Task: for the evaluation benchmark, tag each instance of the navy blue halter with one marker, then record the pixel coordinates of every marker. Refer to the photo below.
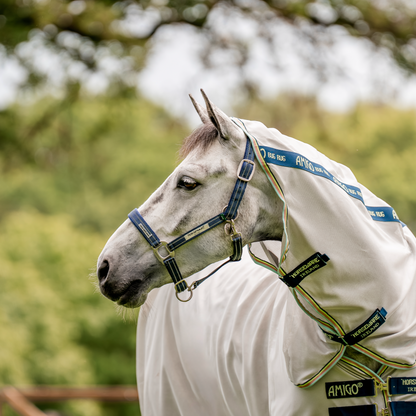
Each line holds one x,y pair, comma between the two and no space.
165,252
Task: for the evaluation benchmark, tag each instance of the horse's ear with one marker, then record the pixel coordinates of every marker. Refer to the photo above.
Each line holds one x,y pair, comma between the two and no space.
203,115
225,126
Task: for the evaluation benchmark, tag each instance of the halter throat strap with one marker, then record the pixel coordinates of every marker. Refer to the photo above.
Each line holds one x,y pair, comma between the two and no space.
165,252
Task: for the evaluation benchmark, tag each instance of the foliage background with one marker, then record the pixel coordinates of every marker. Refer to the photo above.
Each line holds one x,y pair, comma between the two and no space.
65,187
68,183
73,166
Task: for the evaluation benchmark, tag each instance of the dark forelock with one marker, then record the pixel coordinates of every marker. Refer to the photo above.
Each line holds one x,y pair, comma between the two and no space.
202,137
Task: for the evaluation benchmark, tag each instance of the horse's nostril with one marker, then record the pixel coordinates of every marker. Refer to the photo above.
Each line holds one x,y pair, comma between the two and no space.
102,272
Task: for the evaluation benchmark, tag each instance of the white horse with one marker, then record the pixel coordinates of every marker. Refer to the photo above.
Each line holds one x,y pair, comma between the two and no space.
244,346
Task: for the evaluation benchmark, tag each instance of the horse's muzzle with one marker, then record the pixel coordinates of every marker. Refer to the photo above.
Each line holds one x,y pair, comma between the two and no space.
107,288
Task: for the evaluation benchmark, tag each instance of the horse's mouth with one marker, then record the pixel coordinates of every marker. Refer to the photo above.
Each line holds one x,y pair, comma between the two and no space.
132,296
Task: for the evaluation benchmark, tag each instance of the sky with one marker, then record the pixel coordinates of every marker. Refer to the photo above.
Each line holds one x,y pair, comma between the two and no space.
360,73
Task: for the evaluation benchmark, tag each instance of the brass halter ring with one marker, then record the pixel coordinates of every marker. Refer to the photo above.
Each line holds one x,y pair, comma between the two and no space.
238,213
189,289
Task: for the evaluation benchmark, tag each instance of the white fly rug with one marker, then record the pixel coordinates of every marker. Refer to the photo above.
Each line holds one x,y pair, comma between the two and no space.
222,353
366,292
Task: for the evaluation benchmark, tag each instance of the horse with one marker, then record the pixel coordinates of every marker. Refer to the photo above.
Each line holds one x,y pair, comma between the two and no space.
338,279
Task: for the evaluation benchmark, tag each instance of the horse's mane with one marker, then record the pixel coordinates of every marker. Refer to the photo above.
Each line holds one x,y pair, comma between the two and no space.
202,137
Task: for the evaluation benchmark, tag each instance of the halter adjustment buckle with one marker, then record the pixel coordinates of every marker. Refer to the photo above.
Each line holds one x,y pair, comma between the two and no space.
160,257
250,162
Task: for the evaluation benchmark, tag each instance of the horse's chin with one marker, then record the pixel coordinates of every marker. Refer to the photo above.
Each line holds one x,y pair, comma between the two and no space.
135,301
135,295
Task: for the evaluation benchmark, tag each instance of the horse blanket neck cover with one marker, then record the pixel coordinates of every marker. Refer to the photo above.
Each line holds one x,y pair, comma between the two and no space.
348,260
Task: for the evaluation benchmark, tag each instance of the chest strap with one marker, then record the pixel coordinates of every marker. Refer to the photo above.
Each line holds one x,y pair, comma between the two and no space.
363,410
403,408
369,387
401,385
396,409
362,331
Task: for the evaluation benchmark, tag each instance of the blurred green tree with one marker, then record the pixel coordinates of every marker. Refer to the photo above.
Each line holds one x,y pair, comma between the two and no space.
64,189
82,31
94,159
54,329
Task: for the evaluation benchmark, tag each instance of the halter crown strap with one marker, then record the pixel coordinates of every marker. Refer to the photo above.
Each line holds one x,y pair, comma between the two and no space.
245,172
165,252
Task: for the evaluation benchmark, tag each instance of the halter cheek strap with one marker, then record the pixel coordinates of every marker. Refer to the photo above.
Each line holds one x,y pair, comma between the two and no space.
165,252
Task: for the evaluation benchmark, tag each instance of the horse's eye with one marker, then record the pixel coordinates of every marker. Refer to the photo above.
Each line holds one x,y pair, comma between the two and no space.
187,183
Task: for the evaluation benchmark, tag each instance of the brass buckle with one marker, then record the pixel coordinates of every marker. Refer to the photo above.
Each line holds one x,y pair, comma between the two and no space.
238,213
382,412
159,256
188,288
231,230
251,162
383,387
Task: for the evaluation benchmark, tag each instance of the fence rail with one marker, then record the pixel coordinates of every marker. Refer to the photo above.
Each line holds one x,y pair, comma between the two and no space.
21,399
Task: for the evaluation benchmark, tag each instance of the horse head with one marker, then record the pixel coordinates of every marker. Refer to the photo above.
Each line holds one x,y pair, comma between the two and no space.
198,189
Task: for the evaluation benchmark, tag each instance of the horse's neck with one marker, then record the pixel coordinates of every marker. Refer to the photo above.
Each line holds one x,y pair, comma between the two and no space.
268,206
